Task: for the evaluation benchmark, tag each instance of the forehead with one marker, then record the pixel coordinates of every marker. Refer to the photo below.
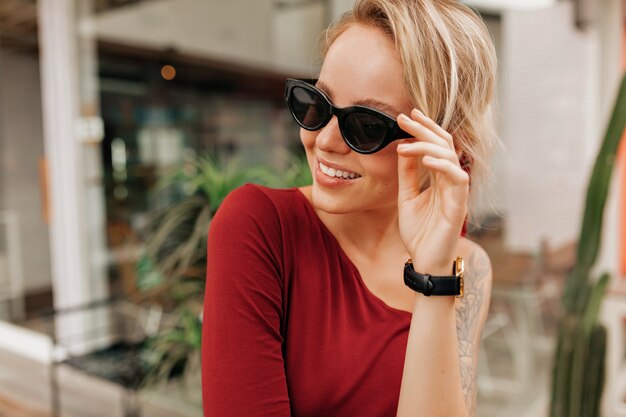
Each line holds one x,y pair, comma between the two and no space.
362,63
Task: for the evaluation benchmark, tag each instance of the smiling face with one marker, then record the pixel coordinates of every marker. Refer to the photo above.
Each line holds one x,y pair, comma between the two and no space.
361,66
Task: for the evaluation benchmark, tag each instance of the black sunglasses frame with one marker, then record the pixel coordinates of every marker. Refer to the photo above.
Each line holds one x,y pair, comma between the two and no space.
393,131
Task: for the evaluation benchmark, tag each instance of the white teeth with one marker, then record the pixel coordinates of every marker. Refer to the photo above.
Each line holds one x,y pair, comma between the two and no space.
332,172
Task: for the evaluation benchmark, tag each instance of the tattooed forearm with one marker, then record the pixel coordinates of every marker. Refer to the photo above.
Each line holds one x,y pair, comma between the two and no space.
469,320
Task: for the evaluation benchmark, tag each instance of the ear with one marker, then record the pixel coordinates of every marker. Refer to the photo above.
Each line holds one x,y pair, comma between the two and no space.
466,164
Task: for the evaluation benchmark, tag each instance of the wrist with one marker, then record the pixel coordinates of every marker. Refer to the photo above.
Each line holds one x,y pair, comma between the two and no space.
431,269
436,302
431,279
428,265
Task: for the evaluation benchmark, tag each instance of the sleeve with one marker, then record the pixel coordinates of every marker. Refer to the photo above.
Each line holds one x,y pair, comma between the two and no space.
243,370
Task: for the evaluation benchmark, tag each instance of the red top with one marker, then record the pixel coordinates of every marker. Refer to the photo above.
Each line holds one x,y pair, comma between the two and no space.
289,327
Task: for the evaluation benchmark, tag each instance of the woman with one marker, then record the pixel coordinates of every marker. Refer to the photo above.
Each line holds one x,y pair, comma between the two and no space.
306,311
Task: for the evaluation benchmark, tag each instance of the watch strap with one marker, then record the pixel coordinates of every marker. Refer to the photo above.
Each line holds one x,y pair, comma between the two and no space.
431,284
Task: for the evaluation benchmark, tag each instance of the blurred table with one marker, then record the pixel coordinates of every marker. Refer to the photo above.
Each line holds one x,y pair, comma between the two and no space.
613,316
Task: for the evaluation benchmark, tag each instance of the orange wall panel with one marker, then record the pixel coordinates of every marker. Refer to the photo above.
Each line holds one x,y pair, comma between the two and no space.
621,162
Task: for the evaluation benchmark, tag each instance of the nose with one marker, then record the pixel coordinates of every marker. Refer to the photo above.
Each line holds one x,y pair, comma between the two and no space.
329,138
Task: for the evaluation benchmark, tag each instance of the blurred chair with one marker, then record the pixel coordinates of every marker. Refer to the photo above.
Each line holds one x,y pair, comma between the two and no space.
115,351
506,336
11,278
521,325
613,316
125,247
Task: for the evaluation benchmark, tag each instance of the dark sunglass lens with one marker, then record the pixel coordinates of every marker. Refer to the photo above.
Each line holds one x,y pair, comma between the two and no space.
365,131
307,107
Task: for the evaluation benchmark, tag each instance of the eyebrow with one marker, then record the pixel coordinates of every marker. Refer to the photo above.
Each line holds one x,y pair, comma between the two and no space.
371,102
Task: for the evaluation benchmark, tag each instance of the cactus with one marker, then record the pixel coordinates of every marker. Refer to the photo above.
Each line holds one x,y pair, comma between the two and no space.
578,367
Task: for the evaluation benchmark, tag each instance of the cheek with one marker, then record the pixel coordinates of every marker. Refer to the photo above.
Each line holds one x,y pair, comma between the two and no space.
385,166
307,138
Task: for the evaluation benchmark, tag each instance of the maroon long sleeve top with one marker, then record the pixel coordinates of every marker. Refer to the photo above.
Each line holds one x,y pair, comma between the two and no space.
289,327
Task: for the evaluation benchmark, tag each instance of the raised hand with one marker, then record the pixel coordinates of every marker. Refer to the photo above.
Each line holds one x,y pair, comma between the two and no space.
431,149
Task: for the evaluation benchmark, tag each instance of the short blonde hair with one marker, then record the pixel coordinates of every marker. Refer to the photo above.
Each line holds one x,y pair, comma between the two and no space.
449,69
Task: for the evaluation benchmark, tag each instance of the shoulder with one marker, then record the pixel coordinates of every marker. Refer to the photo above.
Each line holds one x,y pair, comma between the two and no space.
253,199
245,225
244,208
247,194
255,205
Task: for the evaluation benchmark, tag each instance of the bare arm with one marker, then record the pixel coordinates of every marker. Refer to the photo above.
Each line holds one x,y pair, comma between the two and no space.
439,377
470,320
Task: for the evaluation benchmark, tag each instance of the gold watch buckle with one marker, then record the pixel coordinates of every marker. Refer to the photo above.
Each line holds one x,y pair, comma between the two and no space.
458,269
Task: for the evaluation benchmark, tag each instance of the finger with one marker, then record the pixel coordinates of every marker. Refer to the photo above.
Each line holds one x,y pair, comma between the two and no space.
429,123
419,131
425,148
454,173
410,175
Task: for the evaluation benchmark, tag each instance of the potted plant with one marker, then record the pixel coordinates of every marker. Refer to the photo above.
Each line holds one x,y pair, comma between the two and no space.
578,370
172,268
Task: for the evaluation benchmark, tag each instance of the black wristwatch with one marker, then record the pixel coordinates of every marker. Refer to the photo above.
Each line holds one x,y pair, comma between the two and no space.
436,284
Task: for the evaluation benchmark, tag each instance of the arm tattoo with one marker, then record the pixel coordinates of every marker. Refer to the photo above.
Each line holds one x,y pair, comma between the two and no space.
468,321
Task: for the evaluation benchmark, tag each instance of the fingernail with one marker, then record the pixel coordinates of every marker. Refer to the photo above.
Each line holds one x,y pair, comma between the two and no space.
404,117
418,112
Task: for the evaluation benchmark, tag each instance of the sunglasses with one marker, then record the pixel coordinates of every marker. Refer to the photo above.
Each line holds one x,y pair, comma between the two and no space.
364,129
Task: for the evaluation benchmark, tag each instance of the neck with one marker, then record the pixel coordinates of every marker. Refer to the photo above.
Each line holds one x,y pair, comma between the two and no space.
374,232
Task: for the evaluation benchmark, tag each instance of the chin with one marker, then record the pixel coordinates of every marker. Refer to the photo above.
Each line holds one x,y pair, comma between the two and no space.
329,202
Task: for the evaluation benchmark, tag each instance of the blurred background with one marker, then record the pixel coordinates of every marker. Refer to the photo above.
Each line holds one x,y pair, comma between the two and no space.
124,123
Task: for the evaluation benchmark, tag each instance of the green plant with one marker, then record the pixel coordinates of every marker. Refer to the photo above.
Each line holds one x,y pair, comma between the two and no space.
578,370
296,171
175,237
175,257
174,352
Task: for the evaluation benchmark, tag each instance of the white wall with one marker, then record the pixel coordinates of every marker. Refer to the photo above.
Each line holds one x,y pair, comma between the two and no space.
494,201
497,6
338,7
254,33
295,32
21,147
237,30
551,93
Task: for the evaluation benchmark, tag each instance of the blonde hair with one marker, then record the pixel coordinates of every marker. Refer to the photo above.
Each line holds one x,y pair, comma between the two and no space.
449,68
